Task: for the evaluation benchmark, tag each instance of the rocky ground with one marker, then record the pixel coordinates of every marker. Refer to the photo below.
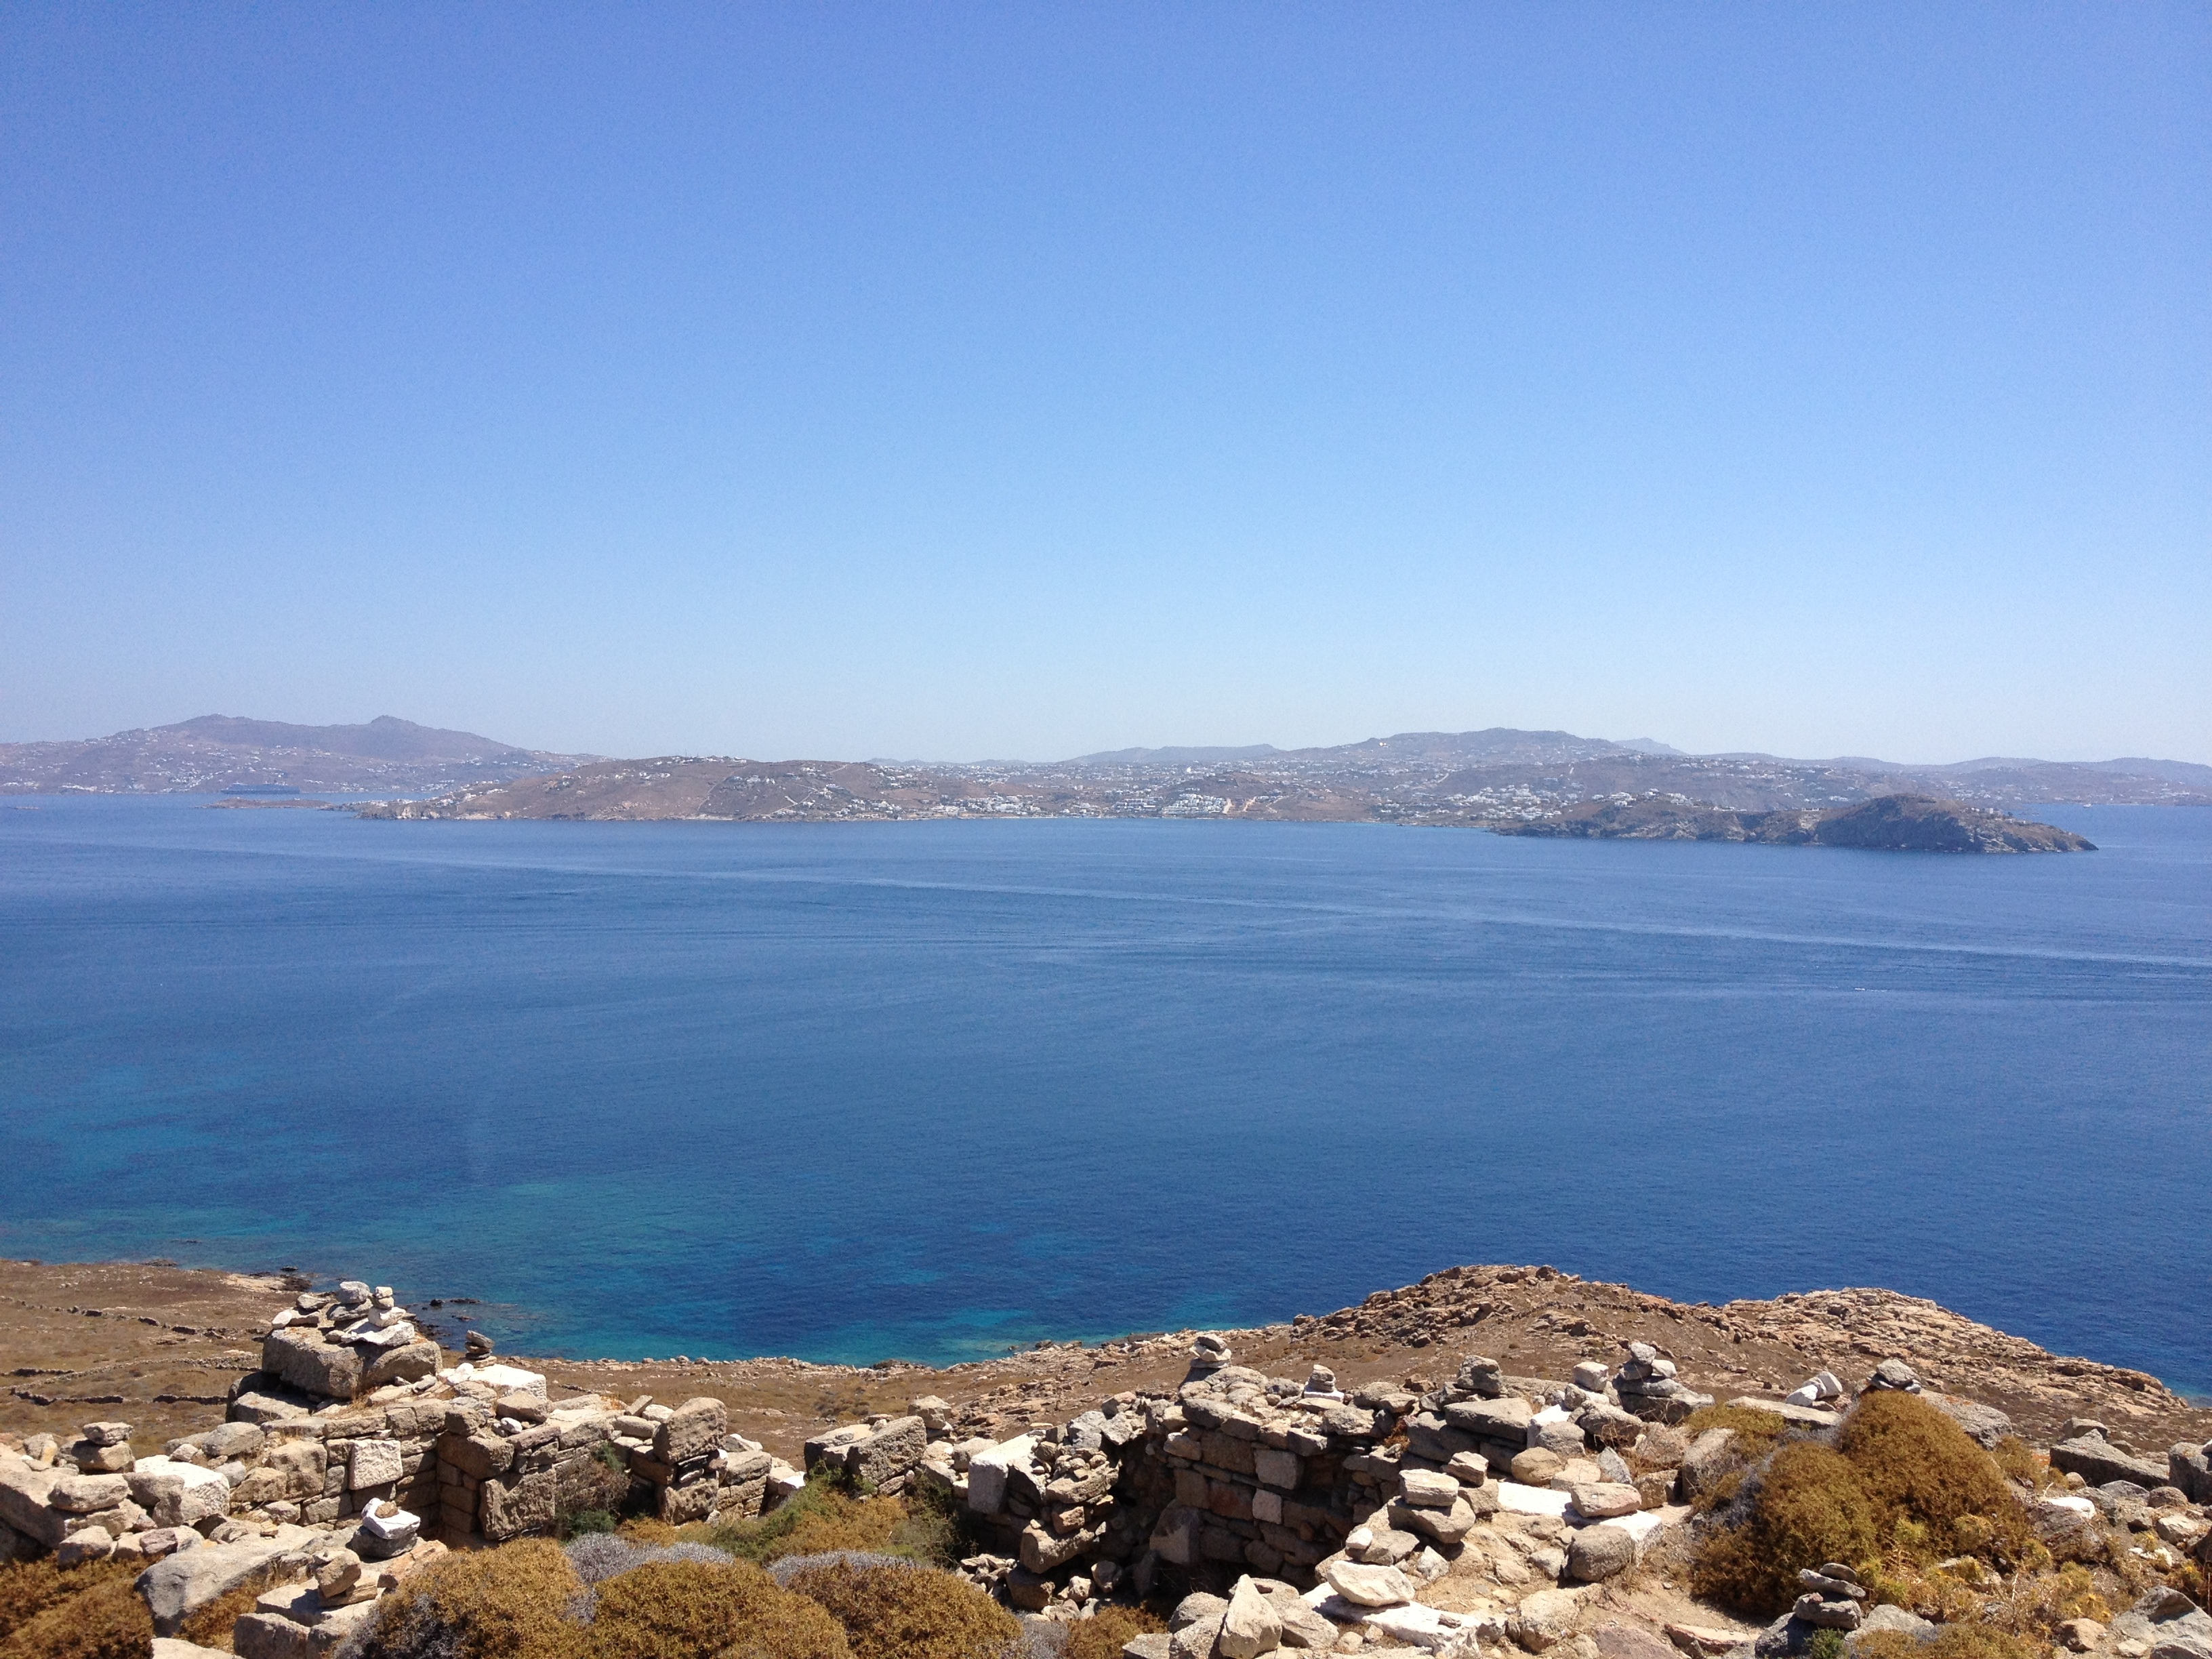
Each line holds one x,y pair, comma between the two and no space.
160,1344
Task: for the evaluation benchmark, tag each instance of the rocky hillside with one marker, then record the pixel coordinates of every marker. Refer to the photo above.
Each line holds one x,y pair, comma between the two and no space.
220,751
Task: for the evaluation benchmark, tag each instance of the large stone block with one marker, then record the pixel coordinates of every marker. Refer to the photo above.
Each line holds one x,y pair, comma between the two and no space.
302,1360
410,1362
514,1506
695,1430
988,1472
89,1494
682,1504
24,1491
2097,1461
177,1494
374,1464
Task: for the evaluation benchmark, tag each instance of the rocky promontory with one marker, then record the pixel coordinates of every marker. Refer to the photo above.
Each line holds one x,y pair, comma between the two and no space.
1890,823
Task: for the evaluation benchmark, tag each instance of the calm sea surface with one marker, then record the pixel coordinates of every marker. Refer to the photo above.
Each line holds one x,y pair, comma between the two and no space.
928,1089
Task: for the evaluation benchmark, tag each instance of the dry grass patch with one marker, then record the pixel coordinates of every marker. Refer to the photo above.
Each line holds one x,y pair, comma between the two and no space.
80,1613
1952,1642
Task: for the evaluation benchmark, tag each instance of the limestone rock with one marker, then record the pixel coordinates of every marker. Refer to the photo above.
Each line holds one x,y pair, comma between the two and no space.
1537,1466
86,1543
1545,1620
1619,1641
179,1494
1426,1490
1710,1458
89,1494
1605,1500
2098,1461
1249,1626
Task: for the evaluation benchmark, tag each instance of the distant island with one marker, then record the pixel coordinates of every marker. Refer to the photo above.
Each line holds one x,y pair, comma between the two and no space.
1897,823
1539,783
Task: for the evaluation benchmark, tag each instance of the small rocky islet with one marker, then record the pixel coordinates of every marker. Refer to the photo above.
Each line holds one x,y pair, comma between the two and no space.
1447,1510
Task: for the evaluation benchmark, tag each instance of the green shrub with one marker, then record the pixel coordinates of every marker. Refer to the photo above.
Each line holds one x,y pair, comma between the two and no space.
505,1604
693,1610
80,1613
1808,1507
910,1612
1826,1644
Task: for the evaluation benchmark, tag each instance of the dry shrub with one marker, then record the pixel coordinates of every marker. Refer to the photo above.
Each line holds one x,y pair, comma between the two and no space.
1952,1642
1808,1507
1917,1464
690,1610
1757,1432
818,1520
504,1603
83,1613
1103,1635
2021,1462
910,1613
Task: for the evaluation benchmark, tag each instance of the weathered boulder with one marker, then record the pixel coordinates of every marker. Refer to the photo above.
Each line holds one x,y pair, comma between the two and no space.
1620,1641
2190,1468
1606,1499
2097,1461
409,1362
301,1359
1425,1489
1596,1553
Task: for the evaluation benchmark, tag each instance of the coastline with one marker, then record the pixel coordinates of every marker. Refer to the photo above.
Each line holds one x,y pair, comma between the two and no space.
162,1345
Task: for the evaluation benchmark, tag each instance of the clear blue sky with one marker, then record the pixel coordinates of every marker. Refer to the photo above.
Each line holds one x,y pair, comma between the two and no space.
952,380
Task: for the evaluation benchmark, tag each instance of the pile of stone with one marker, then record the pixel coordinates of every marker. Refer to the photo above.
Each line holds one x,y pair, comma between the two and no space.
1646,1386
341,1346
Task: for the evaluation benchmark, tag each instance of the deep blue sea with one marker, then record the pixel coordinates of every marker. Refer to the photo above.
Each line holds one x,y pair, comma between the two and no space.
930,1090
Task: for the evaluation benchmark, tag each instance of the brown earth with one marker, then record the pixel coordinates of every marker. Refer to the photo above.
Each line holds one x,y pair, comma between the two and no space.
158,1346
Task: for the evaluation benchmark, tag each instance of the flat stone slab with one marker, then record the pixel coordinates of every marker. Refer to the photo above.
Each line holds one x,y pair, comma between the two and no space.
1531,1500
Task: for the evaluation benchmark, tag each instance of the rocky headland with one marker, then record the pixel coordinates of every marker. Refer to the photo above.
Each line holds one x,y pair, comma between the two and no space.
1890,823
1498,1455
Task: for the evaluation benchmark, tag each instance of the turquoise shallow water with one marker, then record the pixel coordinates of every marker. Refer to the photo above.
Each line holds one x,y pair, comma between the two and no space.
928,1089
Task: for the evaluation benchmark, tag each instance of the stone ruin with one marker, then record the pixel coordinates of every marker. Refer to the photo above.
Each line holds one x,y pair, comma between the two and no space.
1283,1513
